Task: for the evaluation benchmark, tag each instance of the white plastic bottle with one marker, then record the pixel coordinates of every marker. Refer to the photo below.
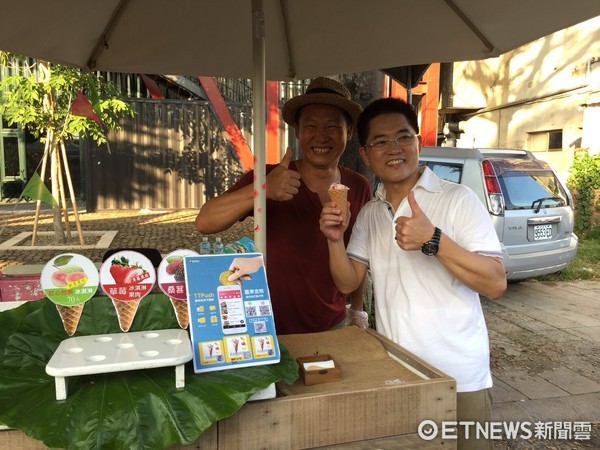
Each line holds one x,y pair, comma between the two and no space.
218,246
205,246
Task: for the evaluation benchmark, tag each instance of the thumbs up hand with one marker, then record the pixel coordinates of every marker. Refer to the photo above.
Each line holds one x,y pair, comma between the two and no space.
412,232
287,158
282,182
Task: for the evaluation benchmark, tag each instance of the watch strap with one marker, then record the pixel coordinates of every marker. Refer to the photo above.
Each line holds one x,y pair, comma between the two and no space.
430,247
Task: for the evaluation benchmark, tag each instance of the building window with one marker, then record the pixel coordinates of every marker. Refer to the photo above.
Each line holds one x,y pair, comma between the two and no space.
545,141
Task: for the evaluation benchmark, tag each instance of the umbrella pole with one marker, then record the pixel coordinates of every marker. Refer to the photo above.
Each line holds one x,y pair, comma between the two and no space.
409,86
259,101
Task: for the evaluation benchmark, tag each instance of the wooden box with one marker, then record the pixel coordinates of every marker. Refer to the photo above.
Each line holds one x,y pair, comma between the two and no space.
378,403
318,376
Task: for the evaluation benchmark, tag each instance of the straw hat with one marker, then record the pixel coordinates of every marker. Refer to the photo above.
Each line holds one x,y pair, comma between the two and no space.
323,91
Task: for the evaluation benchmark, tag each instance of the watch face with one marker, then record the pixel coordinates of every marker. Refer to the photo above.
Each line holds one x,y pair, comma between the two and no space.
429,248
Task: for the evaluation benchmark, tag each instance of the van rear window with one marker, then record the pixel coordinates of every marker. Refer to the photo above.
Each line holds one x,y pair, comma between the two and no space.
531,189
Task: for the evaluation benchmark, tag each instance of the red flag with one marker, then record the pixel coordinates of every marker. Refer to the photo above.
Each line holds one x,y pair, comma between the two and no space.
82,107
152,87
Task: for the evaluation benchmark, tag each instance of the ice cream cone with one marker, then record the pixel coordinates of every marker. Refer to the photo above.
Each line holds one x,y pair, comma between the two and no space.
340,197
181,311
126,312
70,316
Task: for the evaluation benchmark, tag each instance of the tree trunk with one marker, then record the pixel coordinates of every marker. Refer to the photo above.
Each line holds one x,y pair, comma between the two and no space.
59,235
364,87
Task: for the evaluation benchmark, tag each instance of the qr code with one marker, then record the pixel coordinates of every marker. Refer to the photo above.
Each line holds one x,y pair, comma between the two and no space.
264,310
260,327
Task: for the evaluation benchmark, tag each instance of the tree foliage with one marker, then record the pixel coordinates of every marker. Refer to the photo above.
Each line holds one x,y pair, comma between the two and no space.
584,180
38,95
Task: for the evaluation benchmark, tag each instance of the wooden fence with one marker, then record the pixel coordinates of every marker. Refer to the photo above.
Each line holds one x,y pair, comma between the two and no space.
171,155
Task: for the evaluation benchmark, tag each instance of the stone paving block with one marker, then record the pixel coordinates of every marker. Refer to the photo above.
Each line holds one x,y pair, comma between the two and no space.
502,325
532,386
551,319
575,291
558,336
503,393
582,407
565,304
570,381
589,333
510,411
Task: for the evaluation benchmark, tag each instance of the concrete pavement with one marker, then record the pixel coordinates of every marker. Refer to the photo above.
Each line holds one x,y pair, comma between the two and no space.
545,345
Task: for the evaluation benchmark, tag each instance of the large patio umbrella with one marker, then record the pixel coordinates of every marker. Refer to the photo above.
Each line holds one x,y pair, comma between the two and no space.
275,39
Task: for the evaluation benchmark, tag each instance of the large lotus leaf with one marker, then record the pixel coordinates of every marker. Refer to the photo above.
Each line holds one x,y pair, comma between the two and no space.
123,410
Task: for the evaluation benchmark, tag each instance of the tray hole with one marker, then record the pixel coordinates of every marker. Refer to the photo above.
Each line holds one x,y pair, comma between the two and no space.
103,339
173,342
73,350
150,335
124,345
95,358
149,353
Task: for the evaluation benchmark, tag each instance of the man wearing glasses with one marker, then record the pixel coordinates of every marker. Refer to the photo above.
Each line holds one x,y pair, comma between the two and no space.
432,249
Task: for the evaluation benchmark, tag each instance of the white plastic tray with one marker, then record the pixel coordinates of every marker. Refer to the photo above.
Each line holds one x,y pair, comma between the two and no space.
104,353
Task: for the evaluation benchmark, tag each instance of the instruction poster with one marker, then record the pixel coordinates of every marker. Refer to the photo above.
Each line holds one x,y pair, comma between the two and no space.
231,319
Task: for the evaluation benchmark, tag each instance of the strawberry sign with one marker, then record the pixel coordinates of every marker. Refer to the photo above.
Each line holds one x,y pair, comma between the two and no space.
127,277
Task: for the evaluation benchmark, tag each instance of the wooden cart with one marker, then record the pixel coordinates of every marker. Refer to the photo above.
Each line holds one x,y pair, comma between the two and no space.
384,394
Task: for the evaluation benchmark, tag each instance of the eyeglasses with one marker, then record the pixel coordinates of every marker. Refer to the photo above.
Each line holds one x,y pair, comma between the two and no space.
401,141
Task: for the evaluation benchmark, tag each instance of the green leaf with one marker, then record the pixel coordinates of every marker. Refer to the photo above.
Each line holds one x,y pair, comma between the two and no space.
62,260
135,409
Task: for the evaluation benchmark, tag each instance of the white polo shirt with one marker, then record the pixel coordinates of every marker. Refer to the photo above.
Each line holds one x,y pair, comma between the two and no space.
419,304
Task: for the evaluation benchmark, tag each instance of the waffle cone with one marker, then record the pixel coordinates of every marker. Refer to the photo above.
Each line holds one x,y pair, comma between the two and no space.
70,316
340,197
126,312
181,311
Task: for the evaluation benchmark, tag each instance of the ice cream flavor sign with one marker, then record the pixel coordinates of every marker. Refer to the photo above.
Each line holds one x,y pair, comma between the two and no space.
171,280
127,277
69,280
231,319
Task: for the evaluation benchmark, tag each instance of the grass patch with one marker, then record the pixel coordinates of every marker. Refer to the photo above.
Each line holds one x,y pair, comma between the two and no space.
586,264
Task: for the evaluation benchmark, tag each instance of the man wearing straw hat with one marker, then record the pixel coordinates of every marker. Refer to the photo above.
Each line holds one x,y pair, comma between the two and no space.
303,294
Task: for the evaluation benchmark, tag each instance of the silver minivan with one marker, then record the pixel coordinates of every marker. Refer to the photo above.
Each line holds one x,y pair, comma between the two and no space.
530,207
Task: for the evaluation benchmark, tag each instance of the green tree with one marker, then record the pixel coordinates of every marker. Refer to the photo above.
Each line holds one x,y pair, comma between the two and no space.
39,96
584,181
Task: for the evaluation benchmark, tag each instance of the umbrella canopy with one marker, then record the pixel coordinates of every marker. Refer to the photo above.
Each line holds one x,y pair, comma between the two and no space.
303,38
275,39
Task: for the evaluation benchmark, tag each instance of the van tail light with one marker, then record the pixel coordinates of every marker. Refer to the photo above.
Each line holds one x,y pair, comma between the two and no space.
492,187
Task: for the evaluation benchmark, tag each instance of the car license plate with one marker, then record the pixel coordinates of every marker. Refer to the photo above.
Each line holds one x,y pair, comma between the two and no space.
541,232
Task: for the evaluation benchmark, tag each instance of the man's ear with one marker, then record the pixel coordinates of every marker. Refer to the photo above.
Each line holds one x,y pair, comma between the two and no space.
419,144
350,132
362,150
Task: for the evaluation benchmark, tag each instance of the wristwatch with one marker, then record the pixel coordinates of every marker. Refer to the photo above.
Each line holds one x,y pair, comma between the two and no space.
430,247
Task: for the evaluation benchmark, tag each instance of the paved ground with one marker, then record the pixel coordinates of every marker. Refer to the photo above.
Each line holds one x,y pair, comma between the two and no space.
545,337
545,345
166,231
